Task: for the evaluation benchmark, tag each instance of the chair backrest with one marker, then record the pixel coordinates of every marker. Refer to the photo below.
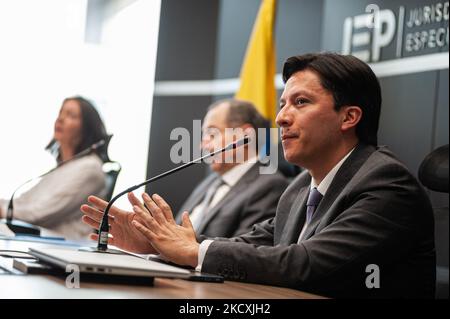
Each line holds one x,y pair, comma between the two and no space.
111,170
433,174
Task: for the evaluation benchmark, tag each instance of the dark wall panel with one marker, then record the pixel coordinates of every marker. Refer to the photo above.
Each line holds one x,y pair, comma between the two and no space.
440,200
186,51
234,29
169,113
298,28
442,116
407,116
187,34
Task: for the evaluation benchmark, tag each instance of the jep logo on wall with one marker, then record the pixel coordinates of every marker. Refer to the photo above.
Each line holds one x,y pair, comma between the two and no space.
413,30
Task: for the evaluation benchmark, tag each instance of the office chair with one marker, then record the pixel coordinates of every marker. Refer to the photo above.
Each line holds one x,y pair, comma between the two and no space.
111,170
433,174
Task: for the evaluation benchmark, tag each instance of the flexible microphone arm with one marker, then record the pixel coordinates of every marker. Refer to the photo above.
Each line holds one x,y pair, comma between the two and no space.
104,226
20,227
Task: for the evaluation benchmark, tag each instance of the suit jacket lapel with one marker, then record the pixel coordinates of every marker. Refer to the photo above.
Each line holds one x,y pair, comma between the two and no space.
197,196
343,176
296,219
234,191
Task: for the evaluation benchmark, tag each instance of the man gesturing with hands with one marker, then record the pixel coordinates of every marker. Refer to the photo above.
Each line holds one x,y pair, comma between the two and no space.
355,205
146,231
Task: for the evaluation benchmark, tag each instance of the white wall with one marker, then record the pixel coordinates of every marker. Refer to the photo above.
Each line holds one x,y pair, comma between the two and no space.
44,59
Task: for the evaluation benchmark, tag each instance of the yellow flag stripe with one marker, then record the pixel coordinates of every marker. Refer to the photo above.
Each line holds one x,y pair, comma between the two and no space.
258,70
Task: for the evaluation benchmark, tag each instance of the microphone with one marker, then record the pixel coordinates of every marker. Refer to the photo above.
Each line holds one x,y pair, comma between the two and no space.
102,245
24,228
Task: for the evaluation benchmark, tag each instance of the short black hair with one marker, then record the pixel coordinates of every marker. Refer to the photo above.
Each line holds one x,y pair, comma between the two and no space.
351,82
92,129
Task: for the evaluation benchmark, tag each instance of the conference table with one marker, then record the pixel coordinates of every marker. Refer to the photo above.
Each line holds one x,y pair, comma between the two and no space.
44,286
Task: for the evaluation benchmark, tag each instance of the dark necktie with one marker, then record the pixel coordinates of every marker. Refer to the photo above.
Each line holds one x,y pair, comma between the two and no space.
314,199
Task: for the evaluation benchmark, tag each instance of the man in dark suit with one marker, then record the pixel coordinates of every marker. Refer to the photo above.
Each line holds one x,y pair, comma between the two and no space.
355,224
235,196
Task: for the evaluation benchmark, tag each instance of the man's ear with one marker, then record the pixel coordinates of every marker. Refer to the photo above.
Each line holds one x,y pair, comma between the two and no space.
248,129
351,115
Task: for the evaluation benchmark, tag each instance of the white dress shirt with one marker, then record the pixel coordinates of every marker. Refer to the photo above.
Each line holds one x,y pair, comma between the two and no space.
322,188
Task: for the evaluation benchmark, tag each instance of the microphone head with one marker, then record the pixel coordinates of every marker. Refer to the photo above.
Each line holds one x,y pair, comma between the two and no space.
243,141
238,143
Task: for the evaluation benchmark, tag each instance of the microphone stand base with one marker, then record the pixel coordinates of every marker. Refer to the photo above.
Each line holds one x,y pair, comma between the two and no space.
96,250
19,227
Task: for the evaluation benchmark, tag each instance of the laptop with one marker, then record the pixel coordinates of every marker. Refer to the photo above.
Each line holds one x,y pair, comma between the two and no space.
107,264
